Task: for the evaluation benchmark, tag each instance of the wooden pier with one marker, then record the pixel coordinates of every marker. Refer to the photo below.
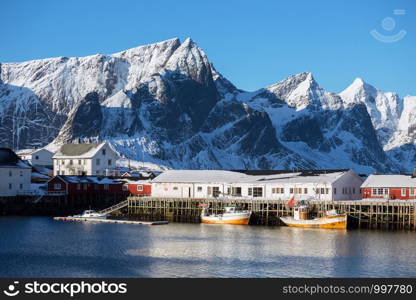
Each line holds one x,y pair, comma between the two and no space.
397,214
113,221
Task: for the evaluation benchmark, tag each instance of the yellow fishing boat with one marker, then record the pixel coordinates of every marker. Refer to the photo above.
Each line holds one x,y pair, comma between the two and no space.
332,219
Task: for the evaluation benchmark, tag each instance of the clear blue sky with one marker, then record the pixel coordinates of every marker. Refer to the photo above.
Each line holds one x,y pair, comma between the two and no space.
253,43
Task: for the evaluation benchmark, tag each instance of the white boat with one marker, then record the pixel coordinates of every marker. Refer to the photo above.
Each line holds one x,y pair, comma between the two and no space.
231,215
89,214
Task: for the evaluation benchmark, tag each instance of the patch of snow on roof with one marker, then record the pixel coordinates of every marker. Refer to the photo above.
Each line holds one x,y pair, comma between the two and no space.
219,176
388,181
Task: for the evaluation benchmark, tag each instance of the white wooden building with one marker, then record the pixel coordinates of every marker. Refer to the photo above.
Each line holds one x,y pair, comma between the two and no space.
14,174
305,185
36,157
85,159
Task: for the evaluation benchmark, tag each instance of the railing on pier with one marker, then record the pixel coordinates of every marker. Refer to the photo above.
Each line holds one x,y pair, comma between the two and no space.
113,208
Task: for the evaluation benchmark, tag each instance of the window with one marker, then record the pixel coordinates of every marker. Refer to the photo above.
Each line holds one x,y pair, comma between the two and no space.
236,191
10,174
257,192
403,192
103,152
96,186
85,186
97,172
199,188
78,186
125,188
228,190
109,162
209,190
379,191
57,186
277,190
37,157
97,162
412,192
215,191
71,162
21,186
139,188
353,190
291,191
62,161
305,190
79,162
327,191
335,191
62,172
10,186
250,191
106,187
175,188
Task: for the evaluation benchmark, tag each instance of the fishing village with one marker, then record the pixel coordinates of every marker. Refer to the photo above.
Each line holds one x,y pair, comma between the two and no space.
81,182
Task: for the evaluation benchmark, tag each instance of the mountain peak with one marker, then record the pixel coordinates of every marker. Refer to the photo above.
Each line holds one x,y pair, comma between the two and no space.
358,92
188,42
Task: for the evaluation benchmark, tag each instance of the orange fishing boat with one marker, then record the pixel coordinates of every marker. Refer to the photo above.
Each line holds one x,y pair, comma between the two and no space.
301,218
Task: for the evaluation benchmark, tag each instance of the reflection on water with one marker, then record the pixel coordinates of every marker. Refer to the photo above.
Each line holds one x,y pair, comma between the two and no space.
43,247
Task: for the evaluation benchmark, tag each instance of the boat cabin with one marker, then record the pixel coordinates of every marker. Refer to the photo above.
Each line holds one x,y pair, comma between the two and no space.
301,212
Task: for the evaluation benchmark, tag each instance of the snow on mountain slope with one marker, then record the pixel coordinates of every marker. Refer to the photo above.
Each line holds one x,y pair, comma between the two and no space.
315,124
384,108
165,104
402,146
302,91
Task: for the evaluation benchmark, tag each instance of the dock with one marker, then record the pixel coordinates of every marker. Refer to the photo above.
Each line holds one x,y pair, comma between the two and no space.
113,221
396,214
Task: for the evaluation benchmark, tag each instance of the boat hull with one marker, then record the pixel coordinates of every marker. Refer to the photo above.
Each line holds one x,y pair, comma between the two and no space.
234,219
334,222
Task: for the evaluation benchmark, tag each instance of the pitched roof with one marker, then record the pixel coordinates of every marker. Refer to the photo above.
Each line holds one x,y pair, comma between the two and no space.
31,151
220,176
25,151
88,179
9,159
79,150
390,181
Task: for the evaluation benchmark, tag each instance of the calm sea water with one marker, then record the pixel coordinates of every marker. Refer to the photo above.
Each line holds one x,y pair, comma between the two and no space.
42,247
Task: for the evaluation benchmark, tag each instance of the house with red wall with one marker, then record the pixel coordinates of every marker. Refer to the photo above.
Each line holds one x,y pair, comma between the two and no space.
137,186
394,187
85,185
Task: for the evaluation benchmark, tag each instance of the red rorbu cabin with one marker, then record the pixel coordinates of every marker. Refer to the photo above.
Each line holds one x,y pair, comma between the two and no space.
400,187
85,185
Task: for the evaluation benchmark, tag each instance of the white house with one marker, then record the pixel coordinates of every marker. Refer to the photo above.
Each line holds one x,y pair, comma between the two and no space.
85,159
305,185
14,174
36,157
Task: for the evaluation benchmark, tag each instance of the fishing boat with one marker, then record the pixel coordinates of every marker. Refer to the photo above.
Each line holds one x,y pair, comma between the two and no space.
301,218
230,215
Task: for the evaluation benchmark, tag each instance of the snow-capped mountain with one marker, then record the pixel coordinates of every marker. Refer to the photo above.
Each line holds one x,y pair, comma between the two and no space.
166,104
384,108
